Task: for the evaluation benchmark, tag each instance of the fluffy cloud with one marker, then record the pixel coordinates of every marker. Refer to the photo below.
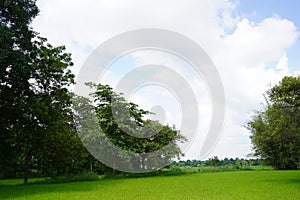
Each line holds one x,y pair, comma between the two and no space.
244,64
252,44
241,49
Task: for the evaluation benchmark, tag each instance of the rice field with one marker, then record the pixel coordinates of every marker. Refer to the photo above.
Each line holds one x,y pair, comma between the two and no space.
213,185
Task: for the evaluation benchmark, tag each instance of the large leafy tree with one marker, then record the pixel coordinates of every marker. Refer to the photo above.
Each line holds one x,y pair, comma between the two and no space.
125,125
276,129
34,77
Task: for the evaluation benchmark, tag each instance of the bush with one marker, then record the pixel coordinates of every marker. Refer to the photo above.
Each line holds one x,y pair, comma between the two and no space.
83,176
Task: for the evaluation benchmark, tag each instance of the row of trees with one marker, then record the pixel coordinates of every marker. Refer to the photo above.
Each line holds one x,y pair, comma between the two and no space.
38,118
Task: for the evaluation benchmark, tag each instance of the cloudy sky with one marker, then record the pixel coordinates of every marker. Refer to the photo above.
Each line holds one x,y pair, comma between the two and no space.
252,43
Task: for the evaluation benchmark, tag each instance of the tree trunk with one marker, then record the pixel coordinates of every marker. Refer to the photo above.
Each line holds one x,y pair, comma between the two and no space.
91,164
26,170
115,162
143,161
1,172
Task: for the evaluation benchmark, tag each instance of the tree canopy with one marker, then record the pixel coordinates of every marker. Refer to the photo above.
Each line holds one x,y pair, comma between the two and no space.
276,129
125,125
34,97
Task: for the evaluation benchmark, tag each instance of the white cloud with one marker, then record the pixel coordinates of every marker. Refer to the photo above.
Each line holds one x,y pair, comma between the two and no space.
241,56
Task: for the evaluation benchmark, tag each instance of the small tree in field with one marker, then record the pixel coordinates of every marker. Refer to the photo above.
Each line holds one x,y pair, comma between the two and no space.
214,161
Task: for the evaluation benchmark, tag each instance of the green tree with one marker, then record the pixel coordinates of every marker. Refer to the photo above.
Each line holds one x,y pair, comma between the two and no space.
124,124
61,152
276,129
34,77
15,37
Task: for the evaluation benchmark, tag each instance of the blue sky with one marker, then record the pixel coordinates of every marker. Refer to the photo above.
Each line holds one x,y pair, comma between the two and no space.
288,9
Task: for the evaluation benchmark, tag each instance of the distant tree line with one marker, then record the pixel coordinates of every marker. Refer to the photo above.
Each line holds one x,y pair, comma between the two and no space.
216,162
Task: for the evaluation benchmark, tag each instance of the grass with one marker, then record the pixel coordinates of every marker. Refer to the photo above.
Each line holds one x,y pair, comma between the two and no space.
211,185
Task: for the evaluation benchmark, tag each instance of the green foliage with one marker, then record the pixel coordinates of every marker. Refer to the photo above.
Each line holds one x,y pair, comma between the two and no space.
15,40
35,115
124,125
171,171
276,129
84,176
214,161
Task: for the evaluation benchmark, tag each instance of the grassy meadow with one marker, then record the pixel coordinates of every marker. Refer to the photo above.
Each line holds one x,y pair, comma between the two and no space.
212,185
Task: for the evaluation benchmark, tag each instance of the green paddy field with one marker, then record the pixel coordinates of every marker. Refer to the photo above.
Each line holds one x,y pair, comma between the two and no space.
266,185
